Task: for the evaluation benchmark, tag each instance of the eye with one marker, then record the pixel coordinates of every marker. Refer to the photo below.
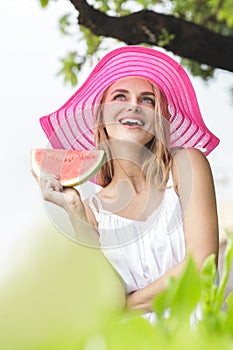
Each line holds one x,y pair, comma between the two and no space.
147,99
119,97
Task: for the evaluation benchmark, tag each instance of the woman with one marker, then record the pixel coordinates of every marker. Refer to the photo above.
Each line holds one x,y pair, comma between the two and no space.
156,205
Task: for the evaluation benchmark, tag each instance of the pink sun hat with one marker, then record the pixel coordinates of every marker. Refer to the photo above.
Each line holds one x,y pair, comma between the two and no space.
72,125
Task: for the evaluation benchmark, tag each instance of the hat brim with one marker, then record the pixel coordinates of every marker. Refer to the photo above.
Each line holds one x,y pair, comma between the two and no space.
71,126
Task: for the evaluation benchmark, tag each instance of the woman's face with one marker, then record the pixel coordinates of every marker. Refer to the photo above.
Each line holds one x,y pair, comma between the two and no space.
129,110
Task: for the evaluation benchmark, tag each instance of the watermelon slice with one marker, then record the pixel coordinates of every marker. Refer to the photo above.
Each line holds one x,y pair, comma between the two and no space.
71,166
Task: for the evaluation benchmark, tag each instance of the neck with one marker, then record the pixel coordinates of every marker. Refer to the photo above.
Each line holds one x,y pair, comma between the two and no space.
127,172
128,158
127,150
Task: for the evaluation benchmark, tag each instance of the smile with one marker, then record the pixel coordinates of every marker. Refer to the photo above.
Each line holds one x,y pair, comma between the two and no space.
132,122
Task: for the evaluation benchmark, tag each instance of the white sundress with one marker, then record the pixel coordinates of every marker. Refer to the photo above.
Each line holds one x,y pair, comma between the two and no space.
142,251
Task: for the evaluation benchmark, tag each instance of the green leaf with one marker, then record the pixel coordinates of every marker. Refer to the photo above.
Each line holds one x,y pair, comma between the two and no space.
182,294
44,3
71,65
165,38
197,69
134,333
226,271
208,287
164,300
65,23
212,295
223,10
92,41
229,316
188,291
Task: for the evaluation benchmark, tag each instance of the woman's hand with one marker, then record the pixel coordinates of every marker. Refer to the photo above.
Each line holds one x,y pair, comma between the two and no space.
131,303
52,190
69,199
66,198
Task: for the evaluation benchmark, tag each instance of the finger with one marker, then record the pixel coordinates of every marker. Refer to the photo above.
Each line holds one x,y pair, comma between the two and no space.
41,179
49,178
48,186
34,175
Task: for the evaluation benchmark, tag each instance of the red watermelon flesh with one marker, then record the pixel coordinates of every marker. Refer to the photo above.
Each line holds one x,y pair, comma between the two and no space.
71,166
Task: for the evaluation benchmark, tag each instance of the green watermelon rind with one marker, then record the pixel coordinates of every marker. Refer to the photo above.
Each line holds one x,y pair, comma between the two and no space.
91,172
73,181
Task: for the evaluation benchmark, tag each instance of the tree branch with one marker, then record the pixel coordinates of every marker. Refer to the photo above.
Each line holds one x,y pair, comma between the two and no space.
190,40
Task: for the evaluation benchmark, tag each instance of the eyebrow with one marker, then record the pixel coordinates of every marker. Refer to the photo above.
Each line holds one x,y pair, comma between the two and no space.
126,92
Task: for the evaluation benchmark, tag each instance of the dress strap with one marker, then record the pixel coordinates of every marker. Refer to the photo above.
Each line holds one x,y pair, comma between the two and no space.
95,204
170,182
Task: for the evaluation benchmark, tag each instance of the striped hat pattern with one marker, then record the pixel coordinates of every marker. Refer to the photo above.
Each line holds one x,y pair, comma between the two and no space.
72,125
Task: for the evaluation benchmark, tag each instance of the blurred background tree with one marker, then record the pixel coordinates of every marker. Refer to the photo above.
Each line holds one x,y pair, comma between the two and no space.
199,31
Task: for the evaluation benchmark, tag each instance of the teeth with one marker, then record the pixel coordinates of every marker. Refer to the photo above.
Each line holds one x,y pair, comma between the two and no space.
130,121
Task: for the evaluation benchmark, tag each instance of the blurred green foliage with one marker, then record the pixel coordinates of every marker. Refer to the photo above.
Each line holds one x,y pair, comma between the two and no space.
58,297
216,15
68,297
44,3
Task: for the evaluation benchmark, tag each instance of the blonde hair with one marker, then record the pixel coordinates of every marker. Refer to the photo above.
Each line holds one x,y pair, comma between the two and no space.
157,165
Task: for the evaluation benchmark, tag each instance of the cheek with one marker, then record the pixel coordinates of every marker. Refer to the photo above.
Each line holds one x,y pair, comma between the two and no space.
110,111
151,116
112,127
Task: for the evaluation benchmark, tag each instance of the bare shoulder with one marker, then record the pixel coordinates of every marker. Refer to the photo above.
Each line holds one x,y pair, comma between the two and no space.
195,156
190,157
190,165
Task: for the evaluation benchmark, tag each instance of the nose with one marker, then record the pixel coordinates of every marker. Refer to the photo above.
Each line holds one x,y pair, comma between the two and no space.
134,107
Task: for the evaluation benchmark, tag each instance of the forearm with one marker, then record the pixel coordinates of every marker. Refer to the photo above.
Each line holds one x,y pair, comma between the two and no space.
141,300
84,232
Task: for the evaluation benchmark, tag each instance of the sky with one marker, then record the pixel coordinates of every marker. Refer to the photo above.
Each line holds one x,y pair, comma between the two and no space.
30,49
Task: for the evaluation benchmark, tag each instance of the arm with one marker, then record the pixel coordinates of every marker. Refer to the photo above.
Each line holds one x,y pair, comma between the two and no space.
193,176
78,212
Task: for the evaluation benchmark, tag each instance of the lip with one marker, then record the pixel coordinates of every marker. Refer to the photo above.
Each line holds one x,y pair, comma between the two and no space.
131,126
